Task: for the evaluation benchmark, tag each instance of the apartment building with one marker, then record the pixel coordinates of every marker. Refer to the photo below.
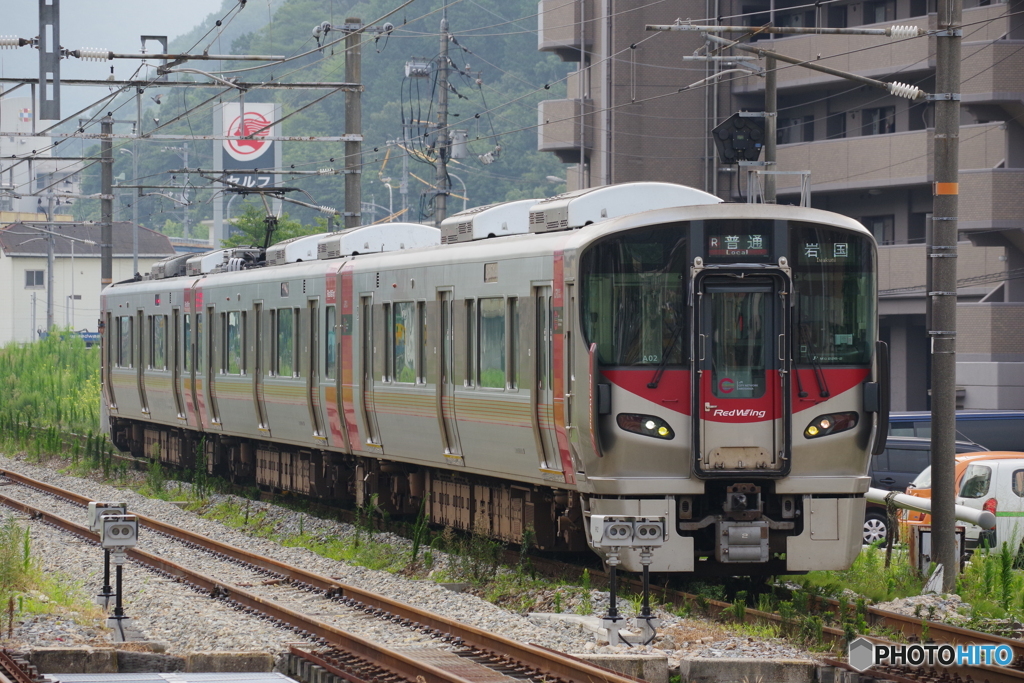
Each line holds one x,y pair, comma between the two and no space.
868,154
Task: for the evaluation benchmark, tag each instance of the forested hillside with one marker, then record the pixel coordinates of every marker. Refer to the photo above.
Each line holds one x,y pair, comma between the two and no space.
497,80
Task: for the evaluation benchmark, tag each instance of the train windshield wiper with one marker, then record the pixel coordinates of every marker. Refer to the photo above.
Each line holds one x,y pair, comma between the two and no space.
677,332
819,375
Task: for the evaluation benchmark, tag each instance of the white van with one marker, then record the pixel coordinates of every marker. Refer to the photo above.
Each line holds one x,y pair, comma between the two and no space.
996,486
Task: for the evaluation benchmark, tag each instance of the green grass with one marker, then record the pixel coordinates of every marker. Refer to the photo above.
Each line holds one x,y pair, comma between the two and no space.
52,383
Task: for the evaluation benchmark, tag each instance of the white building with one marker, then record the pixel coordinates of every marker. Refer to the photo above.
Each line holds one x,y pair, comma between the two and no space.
76,274
27,167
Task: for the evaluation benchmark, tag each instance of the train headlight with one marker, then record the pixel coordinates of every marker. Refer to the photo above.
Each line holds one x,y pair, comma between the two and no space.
648,425
823,425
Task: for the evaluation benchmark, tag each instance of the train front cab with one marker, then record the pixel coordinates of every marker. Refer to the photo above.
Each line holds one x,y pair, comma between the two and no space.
735,352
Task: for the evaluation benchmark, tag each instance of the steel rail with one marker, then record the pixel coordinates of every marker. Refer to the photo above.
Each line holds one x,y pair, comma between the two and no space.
374,654
537,657
551,664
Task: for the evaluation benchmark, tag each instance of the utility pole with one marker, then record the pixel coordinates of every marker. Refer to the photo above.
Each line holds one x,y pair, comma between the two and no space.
942,299
441,198
50,204
185,231
353,125
135,207
106,201
771,109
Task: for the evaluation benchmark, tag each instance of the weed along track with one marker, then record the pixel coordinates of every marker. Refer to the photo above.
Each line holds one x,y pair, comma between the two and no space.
397,641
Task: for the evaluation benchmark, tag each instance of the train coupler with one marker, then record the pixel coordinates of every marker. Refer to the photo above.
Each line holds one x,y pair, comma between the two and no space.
743,541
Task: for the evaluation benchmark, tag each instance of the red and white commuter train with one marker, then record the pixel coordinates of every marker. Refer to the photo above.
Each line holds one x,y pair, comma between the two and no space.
639,357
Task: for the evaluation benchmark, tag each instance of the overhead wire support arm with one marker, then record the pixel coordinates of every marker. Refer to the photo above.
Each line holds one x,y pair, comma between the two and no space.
900,89
100,55
894,31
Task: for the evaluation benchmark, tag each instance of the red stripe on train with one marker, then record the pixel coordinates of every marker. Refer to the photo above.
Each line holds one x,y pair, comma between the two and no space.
673,392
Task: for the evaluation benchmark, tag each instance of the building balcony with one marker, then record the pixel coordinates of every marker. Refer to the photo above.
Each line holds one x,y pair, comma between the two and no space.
558,28
559,129
880,56
902,269
897,159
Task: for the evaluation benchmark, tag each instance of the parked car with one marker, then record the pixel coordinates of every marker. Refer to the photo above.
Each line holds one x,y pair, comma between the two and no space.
995,430
996,485
922,486
903,459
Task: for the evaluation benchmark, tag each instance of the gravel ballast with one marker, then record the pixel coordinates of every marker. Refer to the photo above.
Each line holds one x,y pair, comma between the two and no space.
186,622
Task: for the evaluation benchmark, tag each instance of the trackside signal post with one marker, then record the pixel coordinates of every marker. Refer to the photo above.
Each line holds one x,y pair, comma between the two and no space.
943,235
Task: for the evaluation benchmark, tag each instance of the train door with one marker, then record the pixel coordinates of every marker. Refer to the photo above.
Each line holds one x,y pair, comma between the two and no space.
257,373
110,339
140,366
313,377
175,360
544,402
366,361
446,380
741,351
211,364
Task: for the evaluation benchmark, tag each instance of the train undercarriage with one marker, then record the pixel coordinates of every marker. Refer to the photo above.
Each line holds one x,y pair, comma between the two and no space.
545,518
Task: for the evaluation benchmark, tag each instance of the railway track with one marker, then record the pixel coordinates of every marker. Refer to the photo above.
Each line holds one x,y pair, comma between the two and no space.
538,659
461,653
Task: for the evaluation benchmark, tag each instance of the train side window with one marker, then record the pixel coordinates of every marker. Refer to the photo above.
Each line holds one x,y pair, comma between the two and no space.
492,343
124,351
158,342
187,339
285,343
234,344
405,345
330,359
471,333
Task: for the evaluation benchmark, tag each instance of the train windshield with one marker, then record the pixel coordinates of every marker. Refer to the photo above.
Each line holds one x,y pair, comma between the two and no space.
634,297
833,284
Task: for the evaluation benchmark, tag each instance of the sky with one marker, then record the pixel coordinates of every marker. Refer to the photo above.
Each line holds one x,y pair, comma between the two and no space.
114,25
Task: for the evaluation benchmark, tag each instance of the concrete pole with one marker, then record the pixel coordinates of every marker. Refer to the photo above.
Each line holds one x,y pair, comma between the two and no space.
106,202
441,198
942,254
50,237
353,124
135,207
771,108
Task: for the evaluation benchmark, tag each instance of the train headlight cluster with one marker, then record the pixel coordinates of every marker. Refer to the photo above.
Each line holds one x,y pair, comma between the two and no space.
648,425
823,425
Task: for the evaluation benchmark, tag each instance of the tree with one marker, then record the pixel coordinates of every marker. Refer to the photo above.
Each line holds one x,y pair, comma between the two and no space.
250,229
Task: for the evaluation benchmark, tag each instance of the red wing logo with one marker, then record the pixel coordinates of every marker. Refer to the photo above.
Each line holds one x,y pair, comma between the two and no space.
248,124
726,385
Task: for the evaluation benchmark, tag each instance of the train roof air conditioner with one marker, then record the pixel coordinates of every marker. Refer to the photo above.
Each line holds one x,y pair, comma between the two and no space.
222,260
172,266
301,248
492,220
582,207
371,239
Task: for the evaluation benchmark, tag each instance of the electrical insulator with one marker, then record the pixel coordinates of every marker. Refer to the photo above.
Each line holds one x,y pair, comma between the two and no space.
904,32
93,54
326,171
9,42
327,210
911,92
